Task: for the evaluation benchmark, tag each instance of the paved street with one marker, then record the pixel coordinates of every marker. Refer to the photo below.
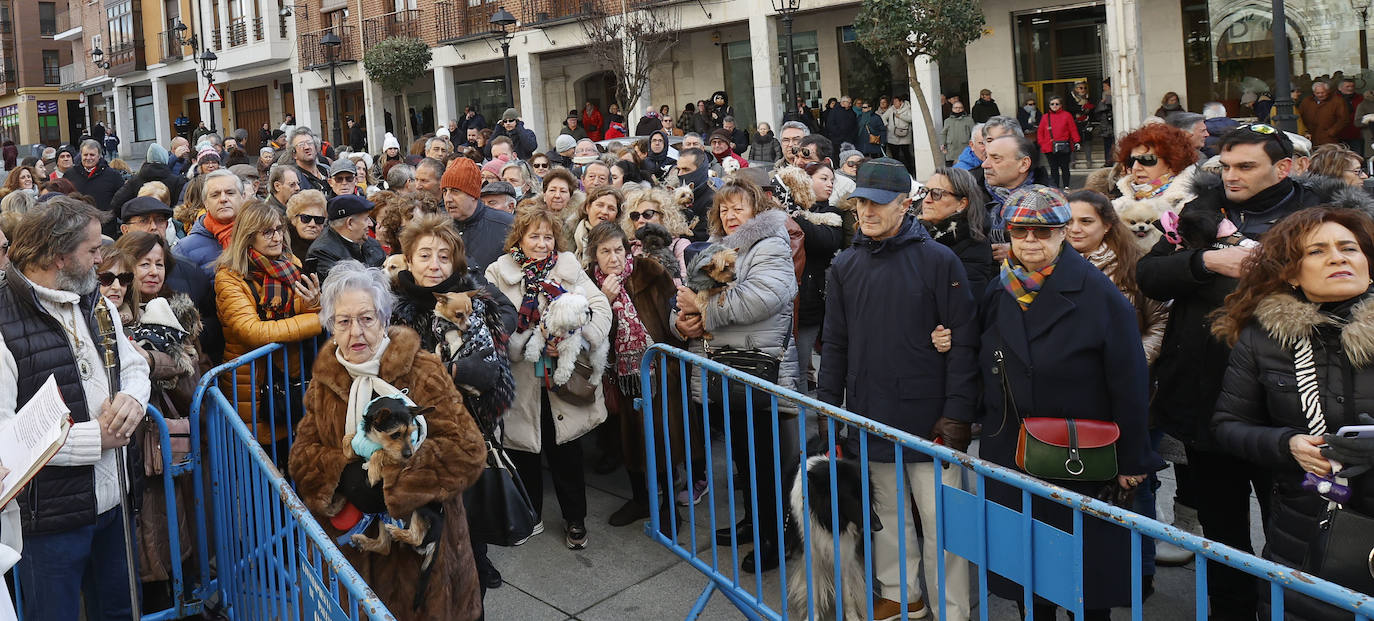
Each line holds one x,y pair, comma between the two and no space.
623,576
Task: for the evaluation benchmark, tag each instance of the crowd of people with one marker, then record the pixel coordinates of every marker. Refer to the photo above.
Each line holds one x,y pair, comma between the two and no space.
1017,301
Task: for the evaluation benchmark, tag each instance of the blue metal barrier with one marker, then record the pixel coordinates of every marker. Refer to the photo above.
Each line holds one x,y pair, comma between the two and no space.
1046,561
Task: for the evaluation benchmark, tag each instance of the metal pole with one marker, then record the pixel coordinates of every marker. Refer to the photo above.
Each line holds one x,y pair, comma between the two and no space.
1283,98
791,106
334,94
211,82
1364,39
505,53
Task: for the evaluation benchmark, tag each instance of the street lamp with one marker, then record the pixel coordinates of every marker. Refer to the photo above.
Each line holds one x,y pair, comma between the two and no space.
1362,7
788,9
1283,92
502,19
207,65
179,31
332,43
97,58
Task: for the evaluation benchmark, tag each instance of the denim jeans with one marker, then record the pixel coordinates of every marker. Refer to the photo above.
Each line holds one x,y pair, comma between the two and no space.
59,569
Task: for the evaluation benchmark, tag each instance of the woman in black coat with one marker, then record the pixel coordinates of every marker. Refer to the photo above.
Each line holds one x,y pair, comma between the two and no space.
1324,308
951,209
1060,341
154,168
827,229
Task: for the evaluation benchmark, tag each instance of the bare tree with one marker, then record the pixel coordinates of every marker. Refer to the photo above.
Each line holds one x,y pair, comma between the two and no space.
630,44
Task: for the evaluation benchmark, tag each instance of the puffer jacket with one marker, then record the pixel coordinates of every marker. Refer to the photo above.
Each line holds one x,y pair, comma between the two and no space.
1259,410
826,231
523,418
764,148
756,312
246,330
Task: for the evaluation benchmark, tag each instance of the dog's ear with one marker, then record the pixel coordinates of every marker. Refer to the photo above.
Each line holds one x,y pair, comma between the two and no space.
440,298
424,410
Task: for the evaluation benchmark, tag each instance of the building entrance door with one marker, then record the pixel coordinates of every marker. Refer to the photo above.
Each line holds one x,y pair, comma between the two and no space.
1055,49
250,112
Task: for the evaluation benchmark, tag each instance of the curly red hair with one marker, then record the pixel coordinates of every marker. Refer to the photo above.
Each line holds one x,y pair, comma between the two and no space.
1171,145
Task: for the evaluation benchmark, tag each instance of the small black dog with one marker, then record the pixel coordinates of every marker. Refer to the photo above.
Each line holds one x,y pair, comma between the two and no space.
850,509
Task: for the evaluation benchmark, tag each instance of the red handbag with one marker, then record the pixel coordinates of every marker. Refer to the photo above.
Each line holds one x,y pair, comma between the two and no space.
1068,448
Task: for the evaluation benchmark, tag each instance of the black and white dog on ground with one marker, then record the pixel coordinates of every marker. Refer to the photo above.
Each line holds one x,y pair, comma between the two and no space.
849,508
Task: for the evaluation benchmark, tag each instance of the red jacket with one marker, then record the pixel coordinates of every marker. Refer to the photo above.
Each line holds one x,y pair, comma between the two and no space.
1056,126
592,123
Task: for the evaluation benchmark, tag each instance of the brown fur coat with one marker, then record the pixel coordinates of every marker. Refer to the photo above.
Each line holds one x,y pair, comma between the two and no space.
449,461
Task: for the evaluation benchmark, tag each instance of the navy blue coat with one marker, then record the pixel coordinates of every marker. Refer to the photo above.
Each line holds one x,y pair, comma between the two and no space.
883,299
1075,353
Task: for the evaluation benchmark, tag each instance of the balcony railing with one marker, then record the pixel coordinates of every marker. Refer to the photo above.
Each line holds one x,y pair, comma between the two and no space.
459,21
313,55
217,40
72,73
171,46
238,31
542,12
391,25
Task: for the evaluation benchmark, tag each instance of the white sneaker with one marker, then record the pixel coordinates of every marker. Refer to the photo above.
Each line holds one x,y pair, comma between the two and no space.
538,528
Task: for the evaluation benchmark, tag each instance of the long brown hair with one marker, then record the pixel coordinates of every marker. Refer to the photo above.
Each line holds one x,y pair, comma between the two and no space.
254,217
1122,243
1278,260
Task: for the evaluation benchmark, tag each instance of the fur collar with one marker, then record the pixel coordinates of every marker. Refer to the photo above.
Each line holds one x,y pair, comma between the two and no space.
1180,190
396,361
770,223
1211,193
507,273
1287,319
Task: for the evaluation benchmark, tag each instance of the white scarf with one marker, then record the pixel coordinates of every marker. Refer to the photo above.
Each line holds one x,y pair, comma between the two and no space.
365,384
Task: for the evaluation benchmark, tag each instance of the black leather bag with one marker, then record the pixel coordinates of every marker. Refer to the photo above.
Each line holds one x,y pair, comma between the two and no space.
498,507
1345,551
751,361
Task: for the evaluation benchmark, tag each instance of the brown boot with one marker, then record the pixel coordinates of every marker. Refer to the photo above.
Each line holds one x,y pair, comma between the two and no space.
888,610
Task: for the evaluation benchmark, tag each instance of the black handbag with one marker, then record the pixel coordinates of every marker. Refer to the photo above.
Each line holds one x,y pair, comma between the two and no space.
1057,146
1344,552
499,509
754,362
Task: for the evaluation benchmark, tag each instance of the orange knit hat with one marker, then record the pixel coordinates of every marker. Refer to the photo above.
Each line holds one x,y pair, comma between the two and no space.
463,175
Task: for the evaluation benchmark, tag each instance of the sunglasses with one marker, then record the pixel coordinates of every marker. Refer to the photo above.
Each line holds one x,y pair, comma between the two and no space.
343,178
936,194
108,278
1041,232
1262,128
320,220
647,214
852,163
1054,105
1144,159
544,165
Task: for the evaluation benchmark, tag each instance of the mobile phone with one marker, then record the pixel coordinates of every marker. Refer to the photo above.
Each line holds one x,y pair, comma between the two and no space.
1356,431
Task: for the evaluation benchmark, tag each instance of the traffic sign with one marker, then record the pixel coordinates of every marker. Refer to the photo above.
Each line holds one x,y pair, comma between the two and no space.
212,95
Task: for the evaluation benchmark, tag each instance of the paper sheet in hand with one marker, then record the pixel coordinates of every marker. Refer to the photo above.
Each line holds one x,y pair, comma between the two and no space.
30,439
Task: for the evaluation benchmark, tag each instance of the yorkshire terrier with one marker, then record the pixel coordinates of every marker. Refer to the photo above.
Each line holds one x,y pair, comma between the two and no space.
712,272
456,310
392,424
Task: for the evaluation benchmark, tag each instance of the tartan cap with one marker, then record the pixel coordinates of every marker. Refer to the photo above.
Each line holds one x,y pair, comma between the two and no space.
1037,206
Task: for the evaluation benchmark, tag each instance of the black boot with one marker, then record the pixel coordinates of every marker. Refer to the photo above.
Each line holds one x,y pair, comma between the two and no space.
744,533
764,557
637,507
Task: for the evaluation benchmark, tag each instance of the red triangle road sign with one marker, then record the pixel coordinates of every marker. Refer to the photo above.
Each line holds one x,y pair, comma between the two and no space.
212,95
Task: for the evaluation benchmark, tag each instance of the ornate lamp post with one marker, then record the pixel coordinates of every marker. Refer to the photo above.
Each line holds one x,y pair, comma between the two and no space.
331,44
1362,7
502,20
207,64
788,10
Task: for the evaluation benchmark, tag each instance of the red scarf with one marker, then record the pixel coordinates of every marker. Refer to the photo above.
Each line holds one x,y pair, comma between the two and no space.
222,232
631,339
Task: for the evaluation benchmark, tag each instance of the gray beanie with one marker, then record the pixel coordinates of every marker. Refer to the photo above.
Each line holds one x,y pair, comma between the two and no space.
845,155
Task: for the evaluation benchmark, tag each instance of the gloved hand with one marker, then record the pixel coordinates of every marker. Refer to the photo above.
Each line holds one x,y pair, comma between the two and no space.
1356,455
954,433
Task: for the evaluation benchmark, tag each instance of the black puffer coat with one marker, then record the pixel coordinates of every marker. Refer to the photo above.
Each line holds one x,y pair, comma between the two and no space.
1258,411
1191,363
827,230
150,171
976,254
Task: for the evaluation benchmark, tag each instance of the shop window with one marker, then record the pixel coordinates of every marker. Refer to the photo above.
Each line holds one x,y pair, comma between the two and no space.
145,123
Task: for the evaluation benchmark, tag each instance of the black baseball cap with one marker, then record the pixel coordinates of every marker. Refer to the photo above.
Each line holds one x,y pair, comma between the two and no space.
882,181
341,207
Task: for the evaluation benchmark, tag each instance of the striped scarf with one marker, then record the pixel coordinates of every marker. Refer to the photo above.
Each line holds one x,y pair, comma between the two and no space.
276,277
1023,284
1154,188
536,279
1309,393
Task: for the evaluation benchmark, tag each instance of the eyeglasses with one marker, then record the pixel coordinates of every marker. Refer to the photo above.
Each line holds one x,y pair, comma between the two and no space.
1054,105
272,232
936,194
108,278
1360,172
1145,159
1041,232
853,163
543,165
647,214
344,324
343,178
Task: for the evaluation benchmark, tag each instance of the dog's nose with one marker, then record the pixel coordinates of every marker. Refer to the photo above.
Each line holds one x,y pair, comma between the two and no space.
406,452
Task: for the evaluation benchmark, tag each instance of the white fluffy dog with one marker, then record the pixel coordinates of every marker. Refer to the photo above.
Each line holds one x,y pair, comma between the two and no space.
562,321
1140,218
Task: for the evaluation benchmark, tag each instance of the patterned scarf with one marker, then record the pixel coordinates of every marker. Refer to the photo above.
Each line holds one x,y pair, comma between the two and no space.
275,276
536,278
1023,284
1154,188
631,339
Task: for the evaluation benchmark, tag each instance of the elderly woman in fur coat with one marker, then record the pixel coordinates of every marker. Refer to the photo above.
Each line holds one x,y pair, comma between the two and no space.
365,359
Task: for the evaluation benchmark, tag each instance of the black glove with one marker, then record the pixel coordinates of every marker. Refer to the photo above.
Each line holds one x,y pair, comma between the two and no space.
955,434
1356,455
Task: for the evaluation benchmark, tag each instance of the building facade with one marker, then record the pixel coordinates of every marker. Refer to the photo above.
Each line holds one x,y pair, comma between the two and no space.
271,61
33,107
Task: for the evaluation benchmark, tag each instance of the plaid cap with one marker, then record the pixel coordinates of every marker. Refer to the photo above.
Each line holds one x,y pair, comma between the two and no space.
1037,206
882,181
